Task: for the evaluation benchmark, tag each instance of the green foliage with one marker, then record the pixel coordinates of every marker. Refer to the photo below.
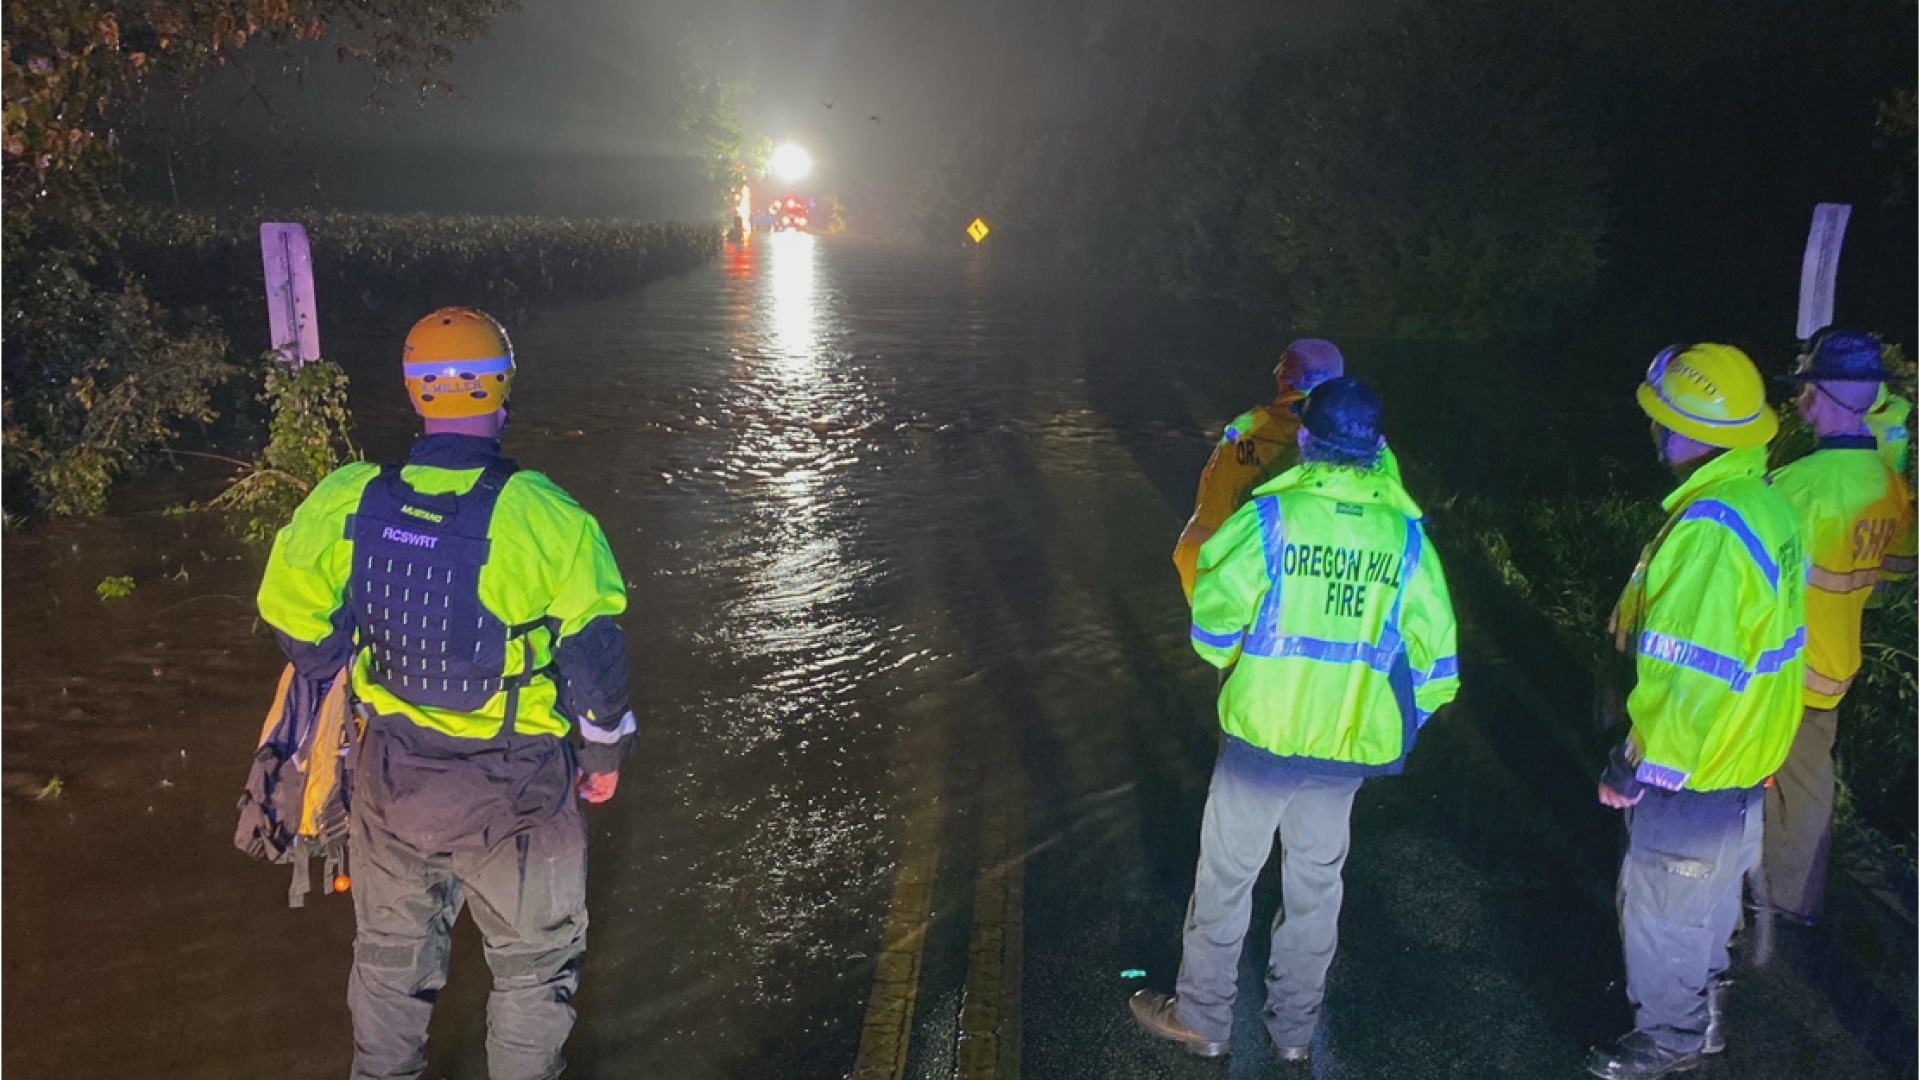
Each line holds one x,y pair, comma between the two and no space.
1898,135
113,588
1793,441
502,263
1416,183
1900,378
1570,556
710,117
72,66
97,375
307,438
1876,746
1413,190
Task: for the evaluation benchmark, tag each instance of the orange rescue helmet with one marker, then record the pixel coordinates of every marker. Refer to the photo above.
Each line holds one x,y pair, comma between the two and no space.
458,363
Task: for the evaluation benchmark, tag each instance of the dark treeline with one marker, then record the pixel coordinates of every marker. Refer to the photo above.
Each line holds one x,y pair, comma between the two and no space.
1477,169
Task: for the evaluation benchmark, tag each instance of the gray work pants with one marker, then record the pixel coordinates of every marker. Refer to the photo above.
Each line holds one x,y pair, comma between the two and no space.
1687,854
1800,819
528,894
1245,808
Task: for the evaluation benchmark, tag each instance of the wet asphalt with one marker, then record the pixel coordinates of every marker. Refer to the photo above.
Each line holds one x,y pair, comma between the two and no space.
923,748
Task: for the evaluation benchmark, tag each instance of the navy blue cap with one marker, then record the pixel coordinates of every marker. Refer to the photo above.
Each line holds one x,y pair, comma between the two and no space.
1344,414
1840,355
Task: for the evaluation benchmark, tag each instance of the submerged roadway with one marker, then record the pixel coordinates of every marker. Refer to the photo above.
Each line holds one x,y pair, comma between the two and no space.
923,746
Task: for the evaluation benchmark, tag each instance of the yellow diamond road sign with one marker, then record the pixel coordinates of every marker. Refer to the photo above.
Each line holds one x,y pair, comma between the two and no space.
978,230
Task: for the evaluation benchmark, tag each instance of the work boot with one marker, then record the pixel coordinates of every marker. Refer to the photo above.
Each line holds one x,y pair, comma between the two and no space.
1716,1039
1154,1011
1297,1055
1635,1056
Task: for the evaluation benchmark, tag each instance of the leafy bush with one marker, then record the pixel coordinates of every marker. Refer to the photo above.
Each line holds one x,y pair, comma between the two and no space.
97,372
1410,189
1425,182
307,438
504,262
97,376
1876,745
72,66
1569,556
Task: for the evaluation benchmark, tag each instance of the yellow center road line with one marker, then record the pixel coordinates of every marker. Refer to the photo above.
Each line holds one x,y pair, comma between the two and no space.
896,978
990,1010
989,1025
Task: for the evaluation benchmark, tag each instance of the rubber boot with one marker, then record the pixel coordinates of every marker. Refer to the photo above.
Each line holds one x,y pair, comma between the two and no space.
1293,1055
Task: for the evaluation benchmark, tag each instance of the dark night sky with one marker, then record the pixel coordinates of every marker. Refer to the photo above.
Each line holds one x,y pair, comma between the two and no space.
568,108
591,83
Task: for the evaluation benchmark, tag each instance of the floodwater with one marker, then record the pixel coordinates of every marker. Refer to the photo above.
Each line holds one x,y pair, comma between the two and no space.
923,748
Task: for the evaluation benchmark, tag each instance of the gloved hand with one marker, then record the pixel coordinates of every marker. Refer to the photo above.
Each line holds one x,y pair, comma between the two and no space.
1618,788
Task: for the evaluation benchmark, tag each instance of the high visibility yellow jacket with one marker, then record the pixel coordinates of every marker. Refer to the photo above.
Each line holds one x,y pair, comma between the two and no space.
546,563
1716,615
1850,506
1889,422
1327,599
1257,446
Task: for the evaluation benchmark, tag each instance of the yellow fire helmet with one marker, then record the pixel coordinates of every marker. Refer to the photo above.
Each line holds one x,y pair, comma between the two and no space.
458,362
1711,393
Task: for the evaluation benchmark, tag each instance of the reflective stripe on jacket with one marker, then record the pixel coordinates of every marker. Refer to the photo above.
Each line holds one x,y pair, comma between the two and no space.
1257,446
547,561
1717,618
1328,600
1850,509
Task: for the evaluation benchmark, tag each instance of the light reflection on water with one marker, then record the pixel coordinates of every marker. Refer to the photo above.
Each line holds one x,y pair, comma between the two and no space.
849,459
844,449
794,308
793,620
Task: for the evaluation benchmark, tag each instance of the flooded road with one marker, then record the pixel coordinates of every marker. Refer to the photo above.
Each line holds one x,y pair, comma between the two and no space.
922,749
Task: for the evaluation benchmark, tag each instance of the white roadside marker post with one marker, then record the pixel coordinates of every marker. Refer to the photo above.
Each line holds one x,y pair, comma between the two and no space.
1820,266
292,321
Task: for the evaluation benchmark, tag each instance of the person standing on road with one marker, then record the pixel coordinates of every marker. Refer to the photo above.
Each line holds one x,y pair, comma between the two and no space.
1715,615
474,602
1850,506
1327,601
1258,445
